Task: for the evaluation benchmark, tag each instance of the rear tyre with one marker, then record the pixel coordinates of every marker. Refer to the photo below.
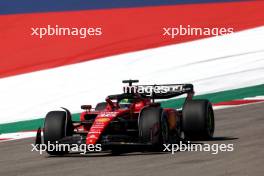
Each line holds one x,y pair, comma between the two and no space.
57,125
198,120
153,127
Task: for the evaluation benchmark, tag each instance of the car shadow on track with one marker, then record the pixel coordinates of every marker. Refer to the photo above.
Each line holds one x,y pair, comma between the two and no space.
222,138
107,154
135,153
218,138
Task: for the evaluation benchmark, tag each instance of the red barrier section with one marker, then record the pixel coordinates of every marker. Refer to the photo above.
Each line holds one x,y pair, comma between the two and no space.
124,30
237,102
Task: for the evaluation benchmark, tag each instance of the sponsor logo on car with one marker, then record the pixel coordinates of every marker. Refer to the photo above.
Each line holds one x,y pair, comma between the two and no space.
105,119
108,114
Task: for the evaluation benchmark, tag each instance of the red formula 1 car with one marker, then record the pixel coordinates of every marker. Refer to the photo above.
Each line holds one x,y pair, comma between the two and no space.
132,120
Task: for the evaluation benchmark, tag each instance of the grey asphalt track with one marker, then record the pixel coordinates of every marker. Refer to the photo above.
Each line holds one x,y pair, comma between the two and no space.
242,126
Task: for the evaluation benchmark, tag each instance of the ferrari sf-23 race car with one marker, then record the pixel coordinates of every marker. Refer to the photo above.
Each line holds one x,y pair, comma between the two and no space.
132,121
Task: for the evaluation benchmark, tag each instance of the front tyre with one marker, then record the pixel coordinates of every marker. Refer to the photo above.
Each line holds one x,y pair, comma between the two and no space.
153,127
57,125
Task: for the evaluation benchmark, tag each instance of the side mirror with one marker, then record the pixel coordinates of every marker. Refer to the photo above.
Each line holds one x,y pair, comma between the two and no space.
86,107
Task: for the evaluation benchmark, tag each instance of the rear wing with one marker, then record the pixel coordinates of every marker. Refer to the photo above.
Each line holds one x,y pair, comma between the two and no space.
162,91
